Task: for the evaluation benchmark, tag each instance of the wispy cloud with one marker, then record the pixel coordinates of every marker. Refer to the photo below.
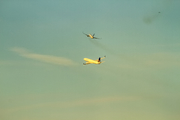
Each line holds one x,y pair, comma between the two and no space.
75,103
44,58
103,100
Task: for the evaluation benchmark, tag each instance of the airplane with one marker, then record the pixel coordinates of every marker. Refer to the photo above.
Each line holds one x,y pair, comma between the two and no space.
90,61
91,36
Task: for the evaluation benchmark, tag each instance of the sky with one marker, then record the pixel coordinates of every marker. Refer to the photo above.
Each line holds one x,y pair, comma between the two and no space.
42,47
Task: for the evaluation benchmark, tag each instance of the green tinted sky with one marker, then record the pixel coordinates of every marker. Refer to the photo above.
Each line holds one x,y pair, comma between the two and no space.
42,49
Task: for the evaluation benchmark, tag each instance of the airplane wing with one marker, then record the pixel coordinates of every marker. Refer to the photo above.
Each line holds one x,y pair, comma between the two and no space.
86,34
86,63
102,58
96,38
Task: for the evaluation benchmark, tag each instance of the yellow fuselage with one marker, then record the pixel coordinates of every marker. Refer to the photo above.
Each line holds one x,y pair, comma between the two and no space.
90,61
91,36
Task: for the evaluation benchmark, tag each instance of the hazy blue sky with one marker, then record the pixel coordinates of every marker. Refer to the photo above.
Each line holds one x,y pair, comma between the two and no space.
42,49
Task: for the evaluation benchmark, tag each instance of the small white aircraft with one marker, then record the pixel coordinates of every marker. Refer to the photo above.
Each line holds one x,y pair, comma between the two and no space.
91,36
90,61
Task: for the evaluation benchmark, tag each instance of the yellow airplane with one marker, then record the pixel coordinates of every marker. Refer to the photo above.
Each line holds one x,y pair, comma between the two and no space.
90,61
91,36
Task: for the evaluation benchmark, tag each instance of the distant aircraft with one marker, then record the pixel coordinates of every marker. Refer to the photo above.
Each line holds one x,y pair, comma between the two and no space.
91,36
90,61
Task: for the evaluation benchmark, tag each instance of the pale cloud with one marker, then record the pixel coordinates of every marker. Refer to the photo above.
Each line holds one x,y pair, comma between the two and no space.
103,100
75,103
44,58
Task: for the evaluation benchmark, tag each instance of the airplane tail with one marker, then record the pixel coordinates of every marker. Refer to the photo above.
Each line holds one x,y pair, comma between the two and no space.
99,60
